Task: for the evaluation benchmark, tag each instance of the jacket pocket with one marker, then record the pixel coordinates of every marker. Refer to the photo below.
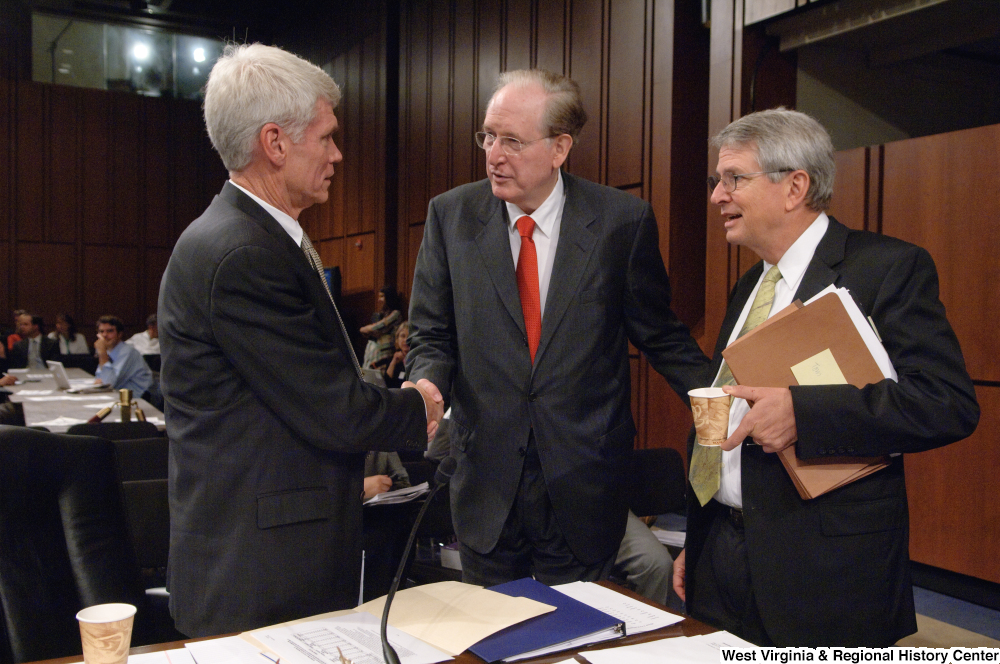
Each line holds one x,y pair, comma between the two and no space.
873,516
282,508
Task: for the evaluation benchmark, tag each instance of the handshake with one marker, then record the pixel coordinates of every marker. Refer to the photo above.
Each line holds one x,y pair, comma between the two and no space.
433,403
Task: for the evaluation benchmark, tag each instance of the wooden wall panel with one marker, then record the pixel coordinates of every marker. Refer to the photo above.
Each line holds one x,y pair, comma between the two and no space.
191,182
666,419
488,56
153,264
414,137
372,105
6,291
333,226
415,237
850,189
8,111
520,29
359,263
935,190
465,118
61,147
95,113
586,67
331,252
552,36
438,160
123,132
110,275
31,186
352,132
954,519
159,172
46,279
626,94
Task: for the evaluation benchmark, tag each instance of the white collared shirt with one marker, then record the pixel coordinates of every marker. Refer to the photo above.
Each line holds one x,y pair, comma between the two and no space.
792,266
548,218
290,225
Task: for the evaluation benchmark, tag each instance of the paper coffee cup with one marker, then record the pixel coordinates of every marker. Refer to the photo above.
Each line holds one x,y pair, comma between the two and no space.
106,632
710,407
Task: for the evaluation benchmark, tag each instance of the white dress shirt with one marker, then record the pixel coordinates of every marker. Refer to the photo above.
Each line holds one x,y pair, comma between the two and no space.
548,218
290,225
792,266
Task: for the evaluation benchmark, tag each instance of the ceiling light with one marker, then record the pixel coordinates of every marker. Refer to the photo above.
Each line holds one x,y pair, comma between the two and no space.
199,54
140,51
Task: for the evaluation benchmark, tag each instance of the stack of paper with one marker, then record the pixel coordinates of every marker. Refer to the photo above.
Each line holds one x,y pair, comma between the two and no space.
703,649
399,495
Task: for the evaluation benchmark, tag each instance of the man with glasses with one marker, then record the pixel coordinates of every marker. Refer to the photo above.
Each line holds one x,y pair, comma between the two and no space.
760,561
528,287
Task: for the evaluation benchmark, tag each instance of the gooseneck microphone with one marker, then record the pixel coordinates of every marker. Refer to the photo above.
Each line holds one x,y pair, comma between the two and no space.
441,478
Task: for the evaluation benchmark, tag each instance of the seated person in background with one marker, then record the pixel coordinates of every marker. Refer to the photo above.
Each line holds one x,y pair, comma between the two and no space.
119,365
14,337
394,372
70,341
148,342
34,348
384,472
378,351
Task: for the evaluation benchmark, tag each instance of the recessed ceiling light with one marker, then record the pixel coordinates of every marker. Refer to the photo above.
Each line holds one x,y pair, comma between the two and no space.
199,55
140,51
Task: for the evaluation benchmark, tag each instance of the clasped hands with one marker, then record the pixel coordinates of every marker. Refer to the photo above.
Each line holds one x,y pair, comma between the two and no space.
433,403
771,420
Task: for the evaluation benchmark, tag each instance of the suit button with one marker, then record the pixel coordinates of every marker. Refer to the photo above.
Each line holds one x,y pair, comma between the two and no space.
532,397
522,451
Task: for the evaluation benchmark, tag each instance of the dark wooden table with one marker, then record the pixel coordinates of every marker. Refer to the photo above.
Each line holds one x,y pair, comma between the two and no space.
687,627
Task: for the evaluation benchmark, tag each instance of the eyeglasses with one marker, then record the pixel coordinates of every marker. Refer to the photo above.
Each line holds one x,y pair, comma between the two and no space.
510,145
732,180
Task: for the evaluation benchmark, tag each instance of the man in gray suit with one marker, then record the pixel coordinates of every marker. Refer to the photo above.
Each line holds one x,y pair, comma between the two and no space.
529,338
267,415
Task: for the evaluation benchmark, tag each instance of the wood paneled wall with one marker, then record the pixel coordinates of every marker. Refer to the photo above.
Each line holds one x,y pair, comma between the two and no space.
96,187
930,191
635,80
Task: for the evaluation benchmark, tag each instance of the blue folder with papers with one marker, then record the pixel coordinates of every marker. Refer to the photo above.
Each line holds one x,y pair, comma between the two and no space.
571,620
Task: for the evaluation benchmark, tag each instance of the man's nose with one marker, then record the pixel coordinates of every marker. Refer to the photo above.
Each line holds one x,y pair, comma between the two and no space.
719,194
495,154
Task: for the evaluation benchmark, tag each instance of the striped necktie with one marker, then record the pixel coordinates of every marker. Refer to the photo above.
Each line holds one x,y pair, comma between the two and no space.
706,461
317,263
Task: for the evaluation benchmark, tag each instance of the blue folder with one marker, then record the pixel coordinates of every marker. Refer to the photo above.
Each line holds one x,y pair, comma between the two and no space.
571,620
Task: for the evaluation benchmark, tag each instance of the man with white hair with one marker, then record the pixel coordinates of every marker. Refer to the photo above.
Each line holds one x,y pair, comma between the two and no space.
267,415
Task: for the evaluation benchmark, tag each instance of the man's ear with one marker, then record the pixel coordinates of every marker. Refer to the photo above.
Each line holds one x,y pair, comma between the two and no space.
561,145
798,188
273,143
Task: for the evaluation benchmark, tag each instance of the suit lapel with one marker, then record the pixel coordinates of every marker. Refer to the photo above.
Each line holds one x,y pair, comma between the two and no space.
829,252
494,248
249,207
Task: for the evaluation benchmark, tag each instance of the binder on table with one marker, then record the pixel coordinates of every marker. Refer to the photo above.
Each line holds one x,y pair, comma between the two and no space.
571,620
764,357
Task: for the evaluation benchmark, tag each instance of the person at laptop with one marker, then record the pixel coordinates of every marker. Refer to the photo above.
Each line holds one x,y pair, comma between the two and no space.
119,365
34,348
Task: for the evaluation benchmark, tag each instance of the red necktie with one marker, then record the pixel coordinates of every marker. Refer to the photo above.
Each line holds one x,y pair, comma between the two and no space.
527,284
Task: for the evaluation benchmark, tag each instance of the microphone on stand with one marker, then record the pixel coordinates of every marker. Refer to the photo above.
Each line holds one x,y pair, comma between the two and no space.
441,478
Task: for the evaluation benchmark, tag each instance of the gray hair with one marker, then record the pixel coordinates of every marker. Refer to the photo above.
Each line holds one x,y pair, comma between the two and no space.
564,112
252,85
786,140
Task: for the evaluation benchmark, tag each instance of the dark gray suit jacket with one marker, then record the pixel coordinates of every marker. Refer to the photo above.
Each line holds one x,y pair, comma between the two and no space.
834,570
608,287
268,425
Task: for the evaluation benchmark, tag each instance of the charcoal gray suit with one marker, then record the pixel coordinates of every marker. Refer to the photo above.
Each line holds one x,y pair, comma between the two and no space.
608,287
268,424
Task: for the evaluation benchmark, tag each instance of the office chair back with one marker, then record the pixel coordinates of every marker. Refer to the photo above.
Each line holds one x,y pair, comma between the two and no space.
116,430
142,468
63,542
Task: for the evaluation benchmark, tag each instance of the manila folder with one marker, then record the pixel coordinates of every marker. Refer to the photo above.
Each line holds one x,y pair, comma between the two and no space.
765,357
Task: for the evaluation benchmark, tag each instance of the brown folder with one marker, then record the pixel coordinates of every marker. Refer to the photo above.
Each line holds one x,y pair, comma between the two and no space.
764,358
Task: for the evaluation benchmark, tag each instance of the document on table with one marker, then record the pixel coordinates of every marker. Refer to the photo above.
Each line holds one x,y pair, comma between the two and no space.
227,650
355,634
638,616
175,656
704,649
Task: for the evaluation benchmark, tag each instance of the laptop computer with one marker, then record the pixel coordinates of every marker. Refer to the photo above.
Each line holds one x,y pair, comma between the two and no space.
77,386
59,373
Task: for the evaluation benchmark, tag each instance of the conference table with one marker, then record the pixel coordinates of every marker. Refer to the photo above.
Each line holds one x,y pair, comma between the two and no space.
46,405
687,627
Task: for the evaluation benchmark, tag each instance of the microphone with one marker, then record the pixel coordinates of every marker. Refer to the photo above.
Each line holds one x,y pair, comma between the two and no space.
441,478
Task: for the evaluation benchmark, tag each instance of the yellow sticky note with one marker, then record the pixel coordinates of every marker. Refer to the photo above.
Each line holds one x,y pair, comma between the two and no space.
820,369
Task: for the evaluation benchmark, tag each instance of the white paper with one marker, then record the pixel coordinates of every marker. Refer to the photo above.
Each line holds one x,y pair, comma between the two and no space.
638,616
58,422
399,495
864,328
33,393
176,656
703,649
357,635
227,650
671,537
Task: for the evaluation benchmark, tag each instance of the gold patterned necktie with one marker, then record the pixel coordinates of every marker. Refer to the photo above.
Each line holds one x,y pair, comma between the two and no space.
706,461
317,263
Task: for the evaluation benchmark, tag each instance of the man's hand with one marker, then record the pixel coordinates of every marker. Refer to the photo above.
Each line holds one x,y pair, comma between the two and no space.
433,402
771,420
7,379
679,576
376,484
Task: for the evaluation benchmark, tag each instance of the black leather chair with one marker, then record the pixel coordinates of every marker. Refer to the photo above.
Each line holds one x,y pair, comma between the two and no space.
83,361
142,468
63,544
117,430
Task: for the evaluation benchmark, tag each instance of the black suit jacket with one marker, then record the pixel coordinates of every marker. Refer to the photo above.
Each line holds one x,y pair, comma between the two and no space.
608,287
18,356
834,570
268,424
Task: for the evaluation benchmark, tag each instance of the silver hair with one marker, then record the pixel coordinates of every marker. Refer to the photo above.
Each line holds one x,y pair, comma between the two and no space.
564,112
784,139
252,85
